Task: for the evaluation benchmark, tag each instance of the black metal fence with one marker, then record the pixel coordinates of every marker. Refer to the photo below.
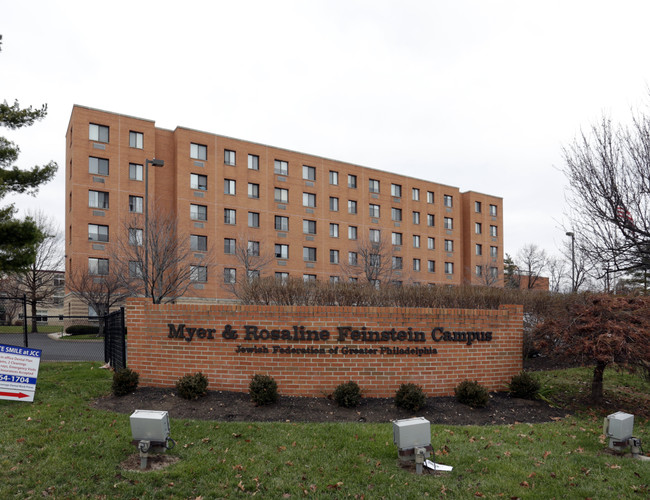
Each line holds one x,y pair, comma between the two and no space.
115,339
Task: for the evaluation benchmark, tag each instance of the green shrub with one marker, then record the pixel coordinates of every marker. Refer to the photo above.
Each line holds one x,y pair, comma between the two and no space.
82,330
192,386
348,394
125,381
263,389
524,386
410,397
472,393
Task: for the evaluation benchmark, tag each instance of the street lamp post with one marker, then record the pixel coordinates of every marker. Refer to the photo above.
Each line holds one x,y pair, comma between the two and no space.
573,260
155,163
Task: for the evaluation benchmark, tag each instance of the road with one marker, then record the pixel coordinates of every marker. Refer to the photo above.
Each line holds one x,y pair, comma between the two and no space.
58,350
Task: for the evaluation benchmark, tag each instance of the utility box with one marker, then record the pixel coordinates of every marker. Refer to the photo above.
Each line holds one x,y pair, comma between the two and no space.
618,427
150,425
411,433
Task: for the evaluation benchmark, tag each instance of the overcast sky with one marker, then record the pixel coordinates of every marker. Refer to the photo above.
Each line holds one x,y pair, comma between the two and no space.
476,94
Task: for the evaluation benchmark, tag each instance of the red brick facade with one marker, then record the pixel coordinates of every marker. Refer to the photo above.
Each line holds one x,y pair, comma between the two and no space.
454,345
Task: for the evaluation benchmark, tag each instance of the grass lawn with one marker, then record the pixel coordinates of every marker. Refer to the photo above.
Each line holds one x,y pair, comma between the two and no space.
19,329
60,447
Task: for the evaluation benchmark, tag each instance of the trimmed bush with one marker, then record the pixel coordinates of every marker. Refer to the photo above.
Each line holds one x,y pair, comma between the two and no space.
125,381
472,393
348,394
410,397
263,389
524,386
192,386
82,330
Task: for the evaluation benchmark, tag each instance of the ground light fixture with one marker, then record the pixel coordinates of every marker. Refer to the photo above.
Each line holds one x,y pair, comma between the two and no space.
619,427
151,433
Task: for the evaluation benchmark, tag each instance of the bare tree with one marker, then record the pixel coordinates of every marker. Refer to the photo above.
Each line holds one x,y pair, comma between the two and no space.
254,257
581,259
556,273
608,169
531,262
372,261
99,291
37,280
159,262
486,273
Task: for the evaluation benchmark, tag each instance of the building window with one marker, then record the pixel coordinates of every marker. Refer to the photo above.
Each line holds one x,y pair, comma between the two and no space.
135,269
431,266
253,162
198,243
415,194
334,230
97,166
494,272
309,254
477,207
493,251
478,270
253,248
416,241
334,256
253,190
198,273
335,279
431,220
309,226
229,157
229,245
429,196
416,218
97,232
374,235
479,249
282,277
396,238
308,277
135,172
334,178
229,186
431,243
334,204
198,151
493,210
253,219
449,223
448,201
416,264
281,167
308,173
230,275
135,237
449,268
281,223
281,195
229,216
308,200
98,133
396,214
352,181
98,199
352,232
493,231
281,251
198,212
353,258
449,245
373,185
397,262
396,190
373,211
198,181
97,266
478,227
136,140
135,204
352,207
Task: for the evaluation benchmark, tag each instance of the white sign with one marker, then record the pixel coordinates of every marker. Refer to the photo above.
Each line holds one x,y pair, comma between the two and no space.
18,372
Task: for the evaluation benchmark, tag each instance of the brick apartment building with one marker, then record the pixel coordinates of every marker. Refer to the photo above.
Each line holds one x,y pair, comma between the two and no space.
310,214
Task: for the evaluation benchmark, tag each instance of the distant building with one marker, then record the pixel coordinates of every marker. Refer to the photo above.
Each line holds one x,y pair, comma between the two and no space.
311,213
